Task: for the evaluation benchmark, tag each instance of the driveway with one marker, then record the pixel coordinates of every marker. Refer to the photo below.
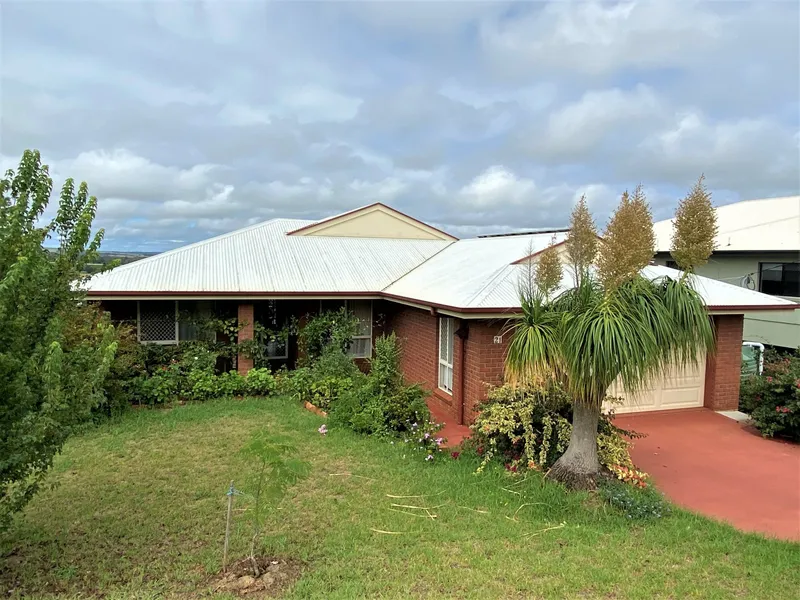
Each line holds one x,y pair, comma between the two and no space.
715,466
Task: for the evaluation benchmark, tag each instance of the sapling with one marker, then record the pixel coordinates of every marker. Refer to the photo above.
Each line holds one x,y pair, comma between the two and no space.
274,469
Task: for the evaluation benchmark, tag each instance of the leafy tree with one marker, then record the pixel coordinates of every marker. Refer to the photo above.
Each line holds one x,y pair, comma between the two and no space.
54,351
615,324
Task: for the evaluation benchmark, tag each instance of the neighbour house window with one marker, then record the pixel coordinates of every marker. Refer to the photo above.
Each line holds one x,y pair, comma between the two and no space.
446,338
157,321
362,341
779,279
672,264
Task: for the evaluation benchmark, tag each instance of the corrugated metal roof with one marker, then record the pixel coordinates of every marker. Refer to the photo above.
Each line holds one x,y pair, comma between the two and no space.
468,272
771,224
475,275
262,259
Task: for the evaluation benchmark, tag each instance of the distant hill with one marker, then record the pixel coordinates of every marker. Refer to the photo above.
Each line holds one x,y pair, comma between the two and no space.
106,257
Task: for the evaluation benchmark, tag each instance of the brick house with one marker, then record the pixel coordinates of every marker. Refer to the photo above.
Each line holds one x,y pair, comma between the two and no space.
448,300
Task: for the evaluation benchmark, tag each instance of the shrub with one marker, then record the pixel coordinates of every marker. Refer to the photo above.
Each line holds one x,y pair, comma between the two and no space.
331,328
231,384
260,382
530,428
634,503
203,385
162,386
773,399
382,402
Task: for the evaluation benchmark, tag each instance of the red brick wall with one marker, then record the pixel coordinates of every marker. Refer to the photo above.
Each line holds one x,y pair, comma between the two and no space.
723,368
484,362
246,315
418,333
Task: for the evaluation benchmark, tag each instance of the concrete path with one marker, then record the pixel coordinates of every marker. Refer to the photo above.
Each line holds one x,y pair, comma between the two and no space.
715,466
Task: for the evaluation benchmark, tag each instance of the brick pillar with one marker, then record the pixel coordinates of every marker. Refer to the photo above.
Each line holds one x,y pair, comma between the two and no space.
723,368
246,316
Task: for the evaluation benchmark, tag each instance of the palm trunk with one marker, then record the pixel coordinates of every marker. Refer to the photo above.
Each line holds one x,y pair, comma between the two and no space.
578,467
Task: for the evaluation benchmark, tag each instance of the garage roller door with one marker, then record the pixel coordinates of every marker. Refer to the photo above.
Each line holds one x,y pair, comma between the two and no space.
681,388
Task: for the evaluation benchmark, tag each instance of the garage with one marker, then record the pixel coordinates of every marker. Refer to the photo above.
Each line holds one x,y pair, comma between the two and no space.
681,388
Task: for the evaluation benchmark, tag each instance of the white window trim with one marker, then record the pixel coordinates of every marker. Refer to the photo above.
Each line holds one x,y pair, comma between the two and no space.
158,342
450,323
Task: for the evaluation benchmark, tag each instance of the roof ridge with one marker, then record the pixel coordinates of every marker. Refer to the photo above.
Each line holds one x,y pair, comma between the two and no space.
449,244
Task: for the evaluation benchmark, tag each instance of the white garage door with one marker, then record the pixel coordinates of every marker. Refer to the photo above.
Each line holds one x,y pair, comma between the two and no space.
682,388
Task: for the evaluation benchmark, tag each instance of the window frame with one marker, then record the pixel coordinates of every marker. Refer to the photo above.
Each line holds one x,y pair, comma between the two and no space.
171,342
783,282
450,345
366,336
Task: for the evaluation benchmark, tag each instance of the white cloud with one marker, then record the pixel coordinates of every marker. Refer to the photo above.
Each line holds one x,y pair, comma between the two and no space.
497,186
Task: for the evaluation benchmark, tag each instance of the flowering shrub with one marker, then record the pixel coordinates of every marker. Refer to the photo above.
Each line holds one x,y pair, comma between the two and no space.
773,398
530,428
423,437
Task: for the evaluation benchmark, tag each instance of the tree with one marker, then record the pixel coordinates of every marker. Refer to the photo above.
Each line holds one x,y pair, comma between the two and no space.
615,324
54,351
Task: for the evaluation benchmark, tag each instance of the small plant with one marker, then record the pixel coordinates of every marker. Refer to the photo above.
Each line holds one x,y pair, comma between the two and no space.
331,328
630,475
424,438
635,503
273,470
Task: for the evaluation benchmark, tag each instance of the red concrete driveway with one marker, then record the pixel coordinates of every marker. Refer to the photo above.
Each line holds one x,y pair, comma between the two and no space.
713,465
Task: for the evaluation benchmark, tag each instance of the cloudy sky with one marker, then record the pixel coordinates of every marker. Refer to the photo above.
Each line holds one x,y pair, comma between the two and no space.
189,119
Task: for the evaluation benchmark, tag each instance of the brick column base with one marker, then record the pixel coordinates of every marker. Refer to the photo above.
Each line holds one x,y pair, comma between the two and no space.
724,367
245,316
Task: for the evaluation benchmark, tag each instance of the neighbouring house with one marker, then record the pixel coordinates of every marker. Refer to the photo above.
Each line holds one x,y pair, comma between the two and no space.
758,248
446,299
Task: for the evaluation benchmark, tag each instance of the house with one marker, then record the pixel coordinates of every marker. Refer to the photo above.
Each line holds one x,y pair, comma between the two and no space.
446,299
758,248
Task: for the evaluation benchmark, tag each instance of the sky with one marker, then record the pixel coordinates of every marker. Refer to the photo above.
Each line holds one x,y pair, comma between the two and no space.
192,119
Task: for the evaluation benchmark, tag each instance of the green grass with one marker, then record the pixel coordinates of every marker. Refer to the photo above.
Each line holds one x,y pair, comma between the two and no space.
138,512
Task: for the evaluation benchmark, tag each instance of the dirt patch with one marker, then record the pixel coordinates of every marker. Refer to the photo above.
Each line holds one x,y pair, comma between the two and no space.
276,574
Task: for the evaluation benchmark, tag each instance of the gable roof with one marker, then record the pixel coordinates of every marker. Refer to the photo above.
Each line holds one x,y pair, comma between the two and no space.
478,275
771,224
262,258
374,221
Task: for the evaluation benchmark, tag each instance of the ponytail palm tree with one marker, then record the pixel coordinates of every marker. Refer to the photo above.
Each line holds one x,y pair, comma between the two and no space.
613,324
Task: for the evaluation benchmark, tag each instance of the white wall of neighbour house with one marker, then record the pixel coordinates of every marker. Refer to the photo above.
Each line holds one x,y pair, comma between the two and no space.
776,328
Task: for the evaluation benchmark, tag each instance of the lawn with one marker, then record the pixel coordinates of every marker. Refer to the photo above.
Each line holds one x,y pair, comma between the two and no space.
139,506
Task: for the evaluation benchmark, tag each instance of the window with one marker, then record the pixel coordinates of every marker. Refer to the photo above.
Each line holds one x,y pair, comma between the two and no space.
158,321
273,319
446,338
779,279
362,341
672,264
191,317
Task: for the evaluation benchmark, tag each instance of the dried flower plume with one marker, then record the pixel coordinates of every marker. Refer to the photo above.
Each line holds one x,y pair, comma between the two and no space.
694,228
582,240
548,270
628,241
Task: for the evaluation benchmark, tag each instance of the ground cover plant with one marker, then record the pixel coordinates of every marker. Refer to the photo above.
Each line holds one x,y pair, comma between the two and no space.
139,512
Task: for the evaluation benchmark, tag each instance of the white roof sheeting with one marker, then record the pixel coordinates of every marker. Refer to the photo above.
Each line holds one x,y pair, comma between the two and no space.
263,259
469,273
473,275
771,224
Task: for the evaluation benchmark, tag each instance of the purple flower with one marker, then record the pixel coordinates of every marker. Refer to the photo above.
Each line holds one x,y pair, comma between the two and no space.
427,435
439,441
429,457
323,429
